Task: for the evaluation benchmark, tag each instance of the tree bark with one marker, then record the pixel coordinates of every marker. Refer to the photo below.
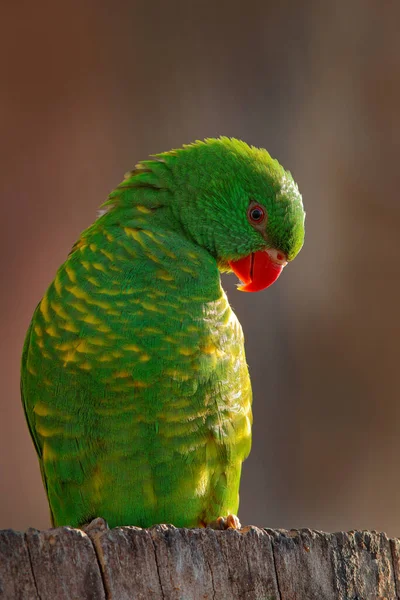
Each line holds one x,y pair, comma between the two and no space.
165,563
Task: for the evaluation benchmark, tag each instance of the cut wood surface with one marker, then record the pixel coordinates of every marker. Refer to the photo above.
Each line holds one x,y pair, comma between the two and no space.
165,563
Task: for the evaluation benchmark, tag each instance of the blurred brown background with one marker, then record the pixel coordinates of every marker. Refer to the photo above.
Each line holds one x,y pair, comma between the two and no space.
90,87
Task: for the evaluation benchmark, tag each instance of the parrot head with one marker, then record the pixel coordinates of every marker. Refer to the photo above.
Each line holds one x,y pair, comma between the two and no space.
239,204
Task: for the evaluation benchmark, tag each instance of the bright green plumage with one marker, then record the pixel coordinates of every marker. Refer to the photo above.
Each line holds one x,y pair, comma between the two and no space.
134,378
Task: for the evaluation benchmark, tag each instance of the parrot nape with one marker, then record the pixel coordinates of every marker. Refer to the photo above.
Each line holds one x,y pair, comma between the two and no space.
134,378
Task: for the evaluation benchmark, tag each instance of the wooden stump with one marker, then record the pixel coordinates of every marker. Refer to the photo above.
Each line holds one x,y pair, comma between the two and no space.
165,563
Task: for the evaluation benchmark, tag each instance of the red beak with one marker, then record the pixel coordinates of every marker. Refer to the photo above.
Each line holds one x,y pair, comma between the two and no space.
256,271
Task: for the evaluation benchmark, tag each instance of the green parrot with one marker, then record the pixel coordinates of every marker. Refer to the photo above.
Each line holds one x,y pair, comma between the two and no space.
134,378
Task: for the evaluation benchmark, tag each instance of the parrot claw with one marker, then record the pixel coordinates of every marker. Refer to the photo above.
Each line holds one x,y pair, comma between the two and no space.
228,522
96,526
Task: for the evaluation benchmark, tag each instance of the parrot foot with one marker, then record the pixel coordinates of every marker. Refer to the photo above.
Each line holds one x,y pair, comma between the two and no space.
228,522
96,526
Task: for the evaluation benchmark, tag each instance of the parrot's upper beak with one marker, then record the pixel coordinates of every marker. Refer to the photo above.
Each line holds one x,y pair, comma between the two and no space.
259,270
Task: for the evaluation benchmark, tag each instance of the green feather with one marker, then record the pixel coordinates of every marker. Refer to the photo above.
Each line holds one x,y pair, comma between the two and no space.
134,377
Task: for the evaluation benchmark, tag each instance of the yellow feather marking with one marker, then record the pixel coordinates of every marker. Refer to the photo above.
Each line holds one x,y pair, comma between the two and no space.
138,384
100,303
182,334
193,255
187,351
132,347
85,264
192,328
209,349
85,365
107,254
90,318
156,240
117,354
31,369
143,209
59,310
79,306
151,307
70,357
134,233
105,358
99,267
93,247
66,346
151,235
109,236
170,339
40,343
130,384
109,292
47,432
127,249
82,295
42,410
81,243
46,354
103,328
47,453
169,253
69,326
177,374
38,330
190,271
114,313
154,258
44,308
177,404
93,281
57,284
122,374
144,358
164,275
52,331
71,274
155,330
97,341
84,347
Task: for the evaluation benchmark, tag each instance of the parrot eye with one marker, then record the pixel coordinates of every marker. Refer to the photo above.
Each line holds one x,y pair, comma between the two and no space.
256,213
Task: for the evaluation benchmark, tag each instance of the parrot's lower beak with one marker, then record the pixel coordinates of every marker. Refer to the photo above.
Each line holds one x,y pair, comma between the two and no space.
259,270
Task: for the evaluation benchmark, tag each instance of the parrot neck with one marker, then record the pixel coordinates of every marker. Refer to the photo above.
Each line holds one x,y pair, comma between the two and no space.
140,244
